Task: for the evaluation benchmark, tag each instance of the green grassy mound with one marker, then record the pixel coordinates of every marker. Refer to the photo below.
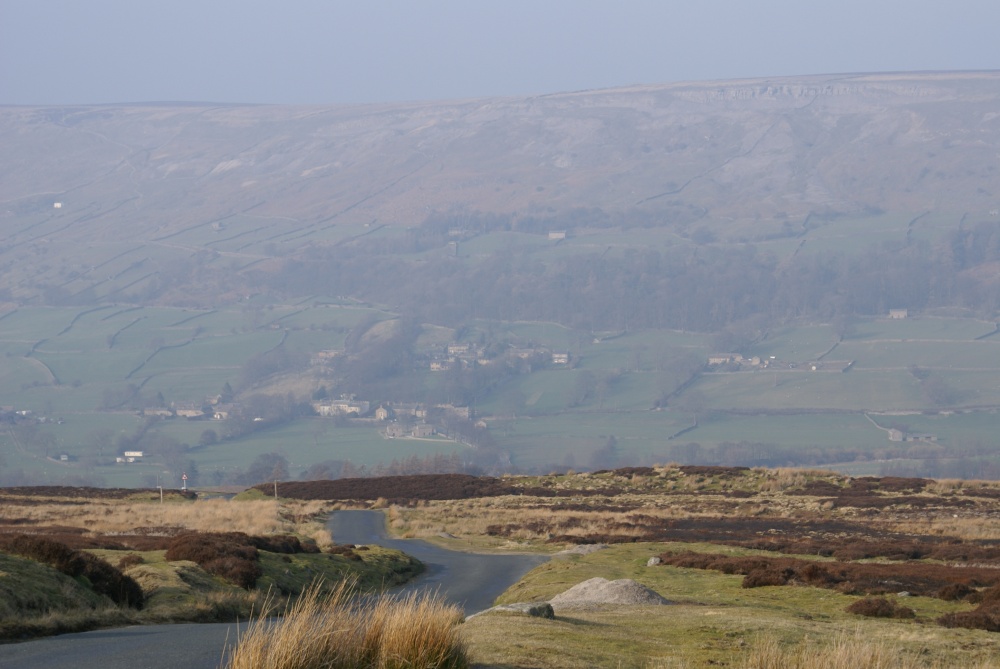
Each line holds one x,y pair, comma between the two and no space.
37,600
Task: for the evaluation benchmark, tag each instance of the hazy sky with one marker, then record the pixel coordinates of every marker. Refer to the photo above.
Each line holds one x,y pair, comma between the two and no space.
333,51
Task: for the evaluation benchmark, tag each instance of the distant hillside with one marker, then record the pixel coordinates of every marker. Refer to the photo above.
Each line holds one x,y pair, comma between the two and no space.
199,204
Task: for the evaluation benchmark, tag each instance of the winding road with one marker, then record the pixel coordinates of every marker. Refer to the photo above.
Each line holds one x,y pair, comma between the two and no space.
469,579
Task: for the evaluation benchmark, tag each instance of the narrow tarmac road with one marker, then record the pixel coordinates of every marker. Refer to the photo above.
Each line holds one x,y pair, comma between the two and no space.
471,580
468,579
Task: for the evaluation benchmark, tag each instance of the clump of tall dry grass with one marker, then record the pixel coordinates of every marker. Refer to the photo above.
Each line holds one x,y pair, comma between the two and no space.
337,631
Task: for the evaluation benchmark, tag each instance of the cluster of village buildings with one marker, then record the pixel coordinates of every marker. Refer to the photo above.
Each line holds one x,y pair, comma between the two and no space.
465,356
399,419
213,409
469,355
736,362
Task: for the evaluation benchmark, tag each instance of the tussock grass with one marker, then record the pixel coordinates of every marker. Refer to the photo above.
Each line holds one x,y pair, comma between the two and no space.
335,630
844,652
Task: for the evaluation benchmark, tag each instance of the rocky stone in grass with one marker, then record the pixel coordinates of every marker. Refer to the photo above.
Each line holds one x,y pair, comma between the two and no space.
601,591
533,609
583,549
653,561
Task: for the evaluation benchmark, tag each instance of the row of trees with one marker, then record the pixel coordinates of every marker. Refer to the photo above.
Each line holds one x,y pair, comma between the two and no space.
698,288
705,286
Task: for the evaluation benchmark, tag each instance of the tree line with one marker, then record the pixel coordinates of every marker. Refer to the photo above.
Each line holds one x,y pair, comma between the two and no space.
706,288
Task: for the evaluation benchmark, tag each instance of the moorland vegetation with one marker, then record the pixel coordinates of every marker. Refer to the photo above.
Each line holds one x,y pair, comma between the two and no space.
776,559
72,561
762,568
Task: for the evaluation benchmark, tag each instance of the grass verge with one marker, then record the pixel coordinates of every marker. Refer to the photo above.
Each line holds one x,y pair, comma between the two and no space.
714,622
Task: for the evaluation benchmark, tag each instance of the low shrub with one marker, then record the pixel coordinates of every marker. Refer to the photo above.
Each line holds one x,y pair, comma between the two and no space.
283,543
990,595
233,555
880,607
762,577
816,574
109,581
345,550
954,592
53,553
978,619
236,570
104,579
986,616
918,578
227,555
130,560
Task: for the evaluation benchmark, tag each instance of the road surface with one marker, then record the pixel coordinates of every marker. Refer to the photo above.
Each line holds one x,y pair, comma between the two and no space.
471,580
468,579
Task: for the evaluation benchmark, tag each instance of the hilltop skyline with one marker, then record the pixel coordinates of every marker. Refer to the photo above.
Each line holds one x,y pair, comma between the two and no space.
310,52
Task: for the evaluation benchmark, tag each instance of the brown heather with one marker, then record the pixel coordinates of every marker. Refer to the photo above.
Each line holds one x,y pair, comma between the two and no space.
104,578
815,512
122,518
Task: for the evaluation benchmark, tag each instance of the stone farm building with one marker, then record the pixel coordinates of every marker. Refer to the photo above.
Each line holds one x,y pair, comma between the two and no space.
341,407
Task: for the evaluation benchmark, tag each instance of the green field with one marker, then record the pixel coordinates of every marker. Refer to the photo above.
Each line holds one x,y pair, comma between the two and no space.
67,363
882,354
801,343
792,431
767,390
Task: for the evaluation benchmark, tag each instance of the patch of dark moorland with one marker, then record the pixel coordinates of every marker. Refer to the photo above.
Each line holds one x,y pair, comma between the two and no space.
987,493
15,526
869,492
735,529
628,472
418,487
913,501
855,578
880,546
103,578
880,607
232,555
18,500
842,540
986,616
85,494
79,538
863,486
585,507
713,471
643,527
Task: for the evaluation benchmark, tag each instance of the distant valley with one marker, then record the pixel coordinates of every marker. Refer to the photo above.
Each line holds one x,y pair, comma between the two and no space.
543,282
